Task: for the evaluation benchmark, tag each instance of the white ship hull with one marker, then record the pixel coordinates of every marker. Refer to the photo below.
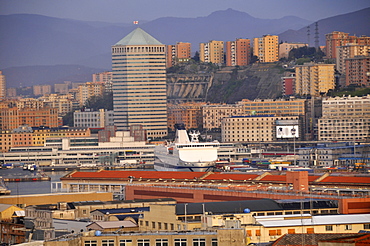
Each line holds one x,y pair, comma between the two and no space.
185,155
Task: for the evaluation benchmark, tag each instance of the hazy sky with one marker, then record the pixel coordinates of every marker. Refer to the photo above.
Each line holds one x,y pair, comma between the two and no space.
125,11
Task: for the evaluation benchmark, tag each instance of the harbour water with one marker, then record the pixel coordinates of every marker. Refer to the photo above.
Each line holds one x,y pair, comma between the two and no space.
33,187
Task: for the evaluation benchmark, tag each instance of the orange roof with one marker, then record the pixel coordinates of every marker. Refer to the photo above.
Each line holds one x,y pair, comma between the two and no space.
233,176
281,178
346,179
137,174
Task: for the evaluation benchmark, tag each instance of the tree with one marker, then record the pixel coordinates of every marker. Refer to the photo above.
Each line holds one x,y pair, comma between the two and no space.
196,56
97,102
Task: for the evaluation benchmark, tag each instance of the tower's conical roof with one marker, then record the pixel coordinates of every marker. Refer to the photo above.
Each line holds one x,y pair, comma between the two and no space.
138,37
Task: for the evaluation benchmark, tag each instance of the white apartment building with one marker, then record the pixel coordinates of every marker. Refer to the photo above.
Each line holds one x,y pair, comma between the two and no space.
254,128
345,119
93,119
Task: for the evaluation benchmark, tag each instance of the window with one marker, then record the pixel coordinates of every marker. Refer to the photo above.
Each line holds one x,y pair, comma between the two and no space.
310,231
199,242
214,242
143,242
161,242
107,242
366,226
258,233
90,243
125,242
291,231
347,227
180,242
329,228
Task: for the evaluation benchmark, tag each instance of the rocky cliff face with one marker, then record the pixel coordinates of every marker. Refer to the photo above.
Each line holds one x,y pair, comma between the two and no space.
256,81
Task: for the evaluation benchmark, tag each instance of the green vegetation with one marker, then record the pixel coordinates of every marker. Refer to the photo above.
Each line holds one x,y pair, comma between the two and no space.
305,54
350,91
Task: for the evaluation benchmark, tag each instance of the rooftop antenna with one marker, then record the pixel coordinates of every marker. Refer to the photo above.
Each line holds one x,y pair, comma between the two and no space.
317,36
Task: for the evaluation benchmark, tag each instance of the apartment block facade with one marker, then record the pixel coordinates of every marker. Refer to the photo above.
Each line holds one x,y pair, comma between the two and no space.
93,119
39,90
89,89
104,77
336,39
139,83
188,113
345,119
213,52
266,48
214,113
314,79
358,71
350,51
180,52
254,128
2,86
238,52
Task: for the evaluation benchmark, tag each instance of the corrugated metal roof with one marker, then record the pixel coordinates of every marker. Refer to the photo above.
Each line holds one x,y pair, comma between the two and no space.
318,220
123,210
138,37
228,207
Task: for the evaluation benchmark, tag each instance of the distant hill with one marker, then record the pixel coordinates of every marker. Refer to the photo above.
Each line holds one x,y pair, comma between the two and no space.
355,23
28,40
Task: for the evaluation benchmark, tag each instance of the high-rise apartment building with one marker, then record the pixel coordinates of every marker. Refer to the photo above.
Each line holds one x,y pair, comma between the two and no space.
213,52
358,71
336,39
180,52
350,51
139,83
89,89
104,77
266,48
238,52
314,79
2,86
39,90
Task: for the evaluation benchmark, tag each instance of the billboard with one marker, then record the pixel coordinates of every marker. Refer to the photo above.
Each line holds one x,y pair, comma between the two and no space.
287,132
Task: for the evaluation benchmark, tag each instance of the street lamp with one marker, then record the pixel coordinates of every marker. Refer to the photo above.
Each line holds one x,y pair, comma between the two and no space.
293,131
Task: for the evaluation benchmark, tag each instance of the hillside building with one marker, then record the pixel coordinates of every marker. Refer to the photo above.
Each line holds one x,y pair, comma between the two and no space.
285,48
2,86
188,113
266,48
336,39
212,52
314,79
349,51
180,52
358,71
88,90
40,90
238,52
104,77
139,83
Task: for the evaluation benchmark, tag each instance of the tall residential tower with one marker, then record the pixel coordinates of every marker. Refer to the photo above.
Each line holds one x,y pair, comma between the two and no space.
139,83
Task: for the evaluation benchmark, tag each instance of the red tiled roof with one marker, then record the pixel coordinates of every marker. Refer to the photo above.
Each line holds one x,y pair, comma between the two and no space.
233,176
346,179
138,174
281,178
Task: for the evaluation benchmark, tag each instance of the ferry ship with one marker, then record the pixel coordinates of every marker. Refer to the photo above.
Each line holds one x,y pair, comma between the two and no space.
186,154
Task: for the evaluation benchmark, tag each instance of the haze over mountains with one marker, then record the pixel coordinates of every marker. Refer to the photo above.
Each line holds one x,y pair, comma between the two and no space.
32,40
